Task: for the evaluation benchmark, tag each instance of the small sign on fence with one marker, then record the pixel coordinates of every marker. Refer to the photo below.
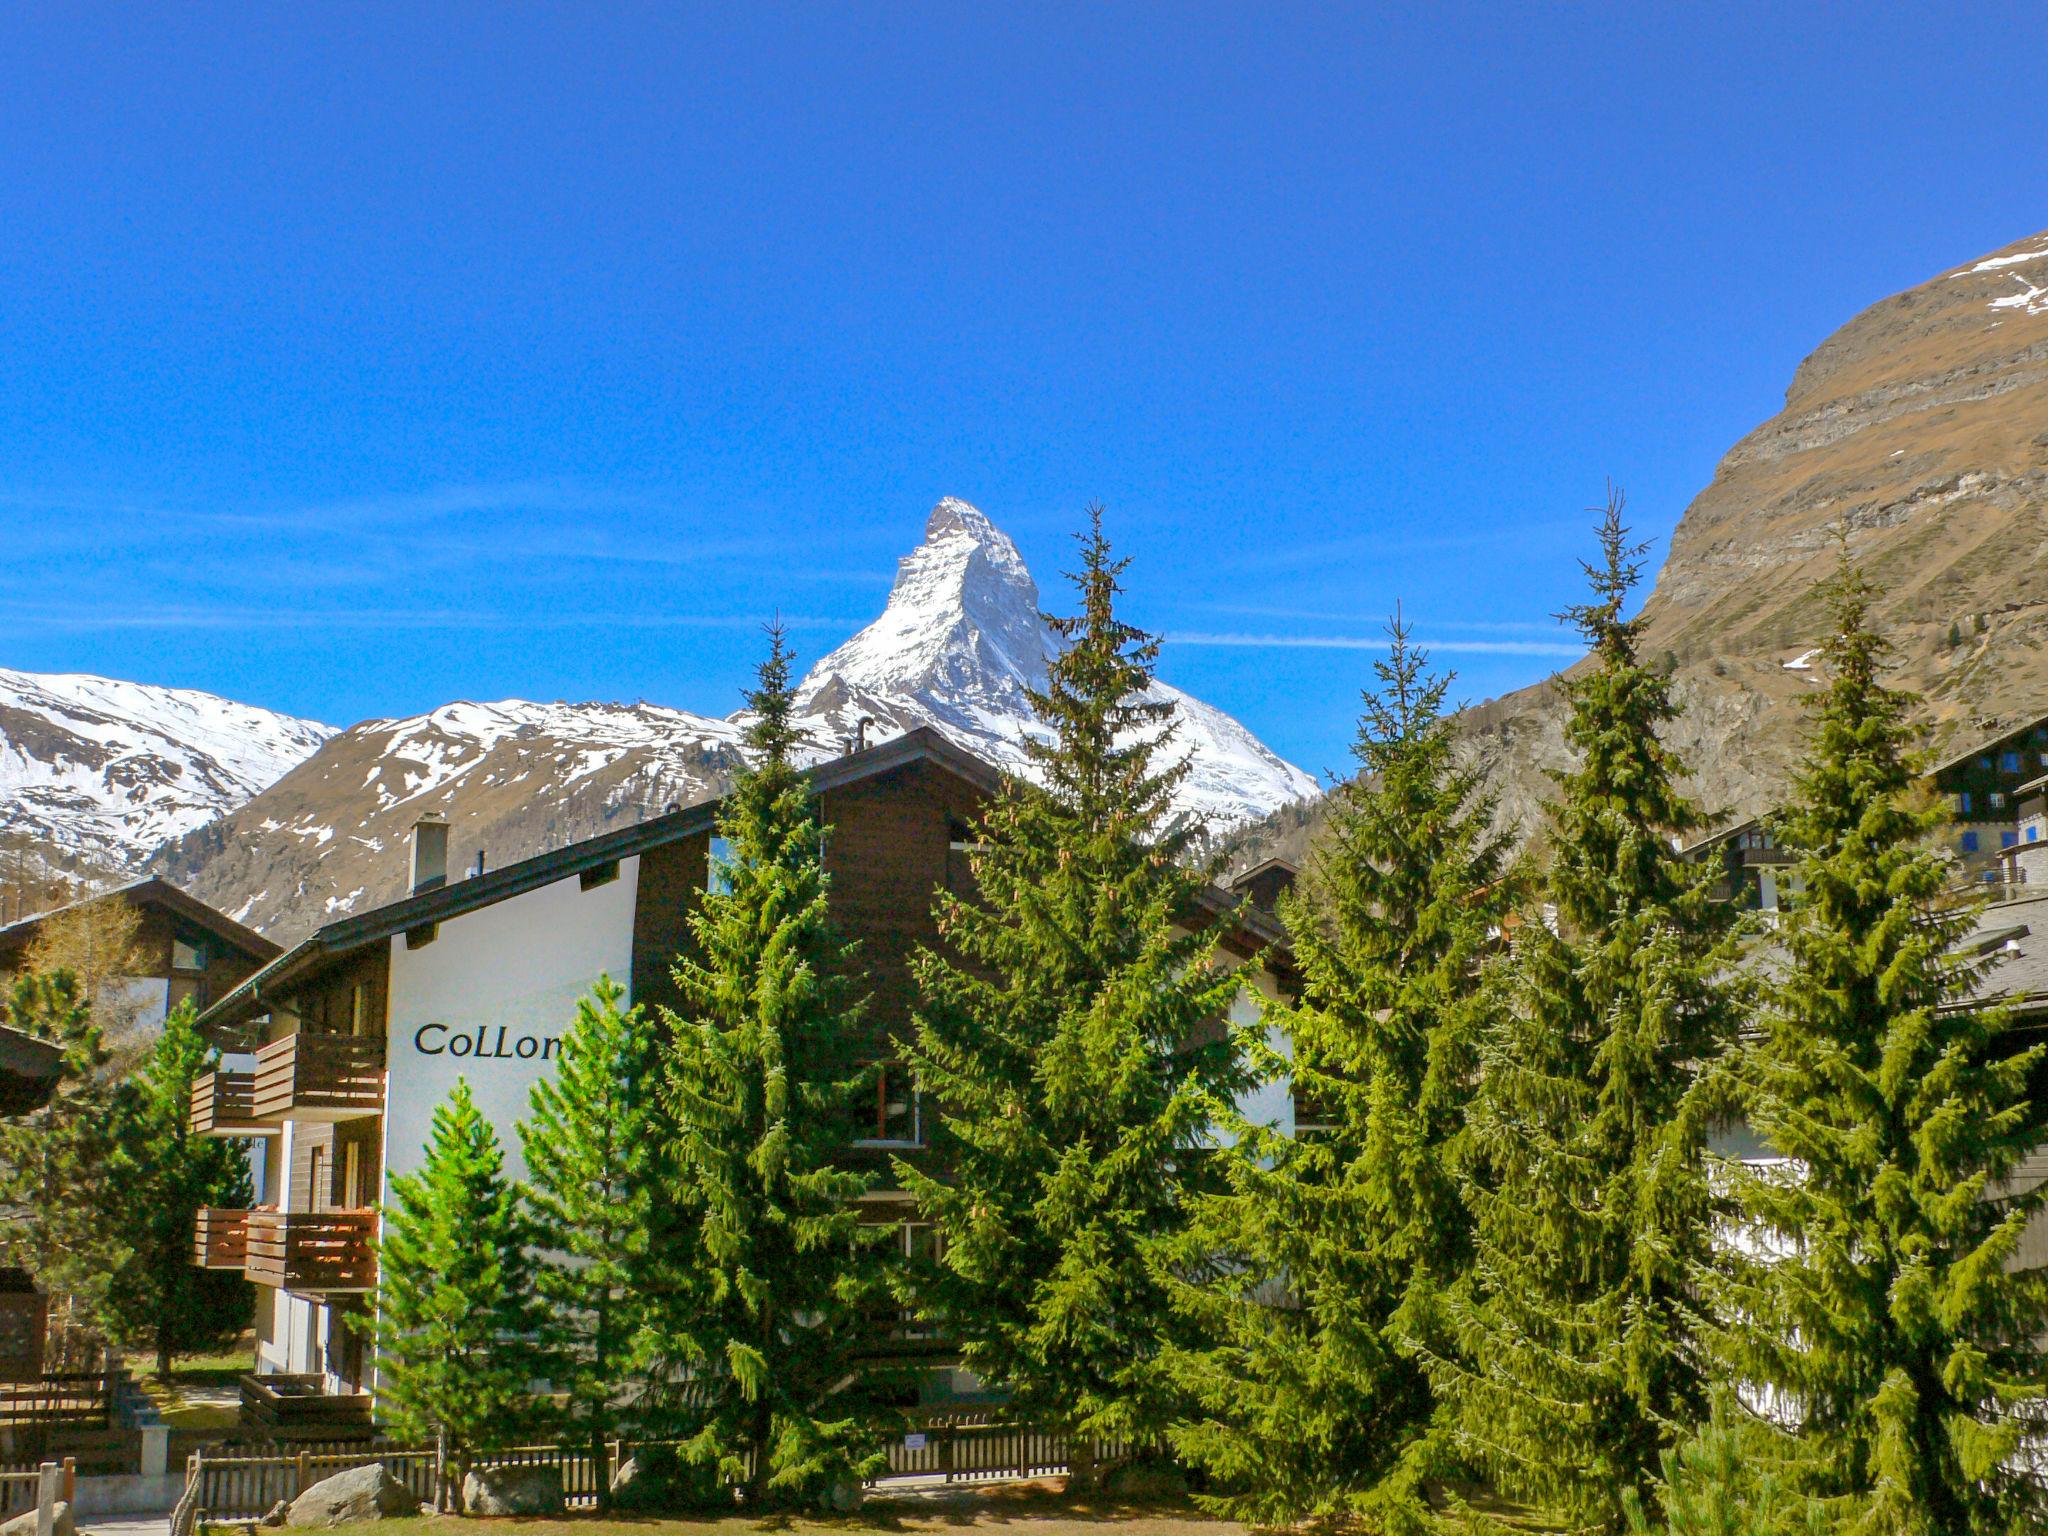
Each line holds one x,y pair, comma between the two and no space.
913,1442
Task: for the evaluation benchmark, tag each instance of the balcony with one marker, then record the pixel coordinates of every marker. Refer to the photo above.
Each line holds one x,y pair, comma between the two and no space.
319,1077
314,1252
220,1238
224,1104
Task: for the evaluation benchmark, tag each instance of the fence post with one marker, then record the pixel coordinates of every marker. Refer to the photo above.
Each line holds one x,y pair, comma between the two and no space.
299,1484
70,1479
612,1461
945,1435
50,1476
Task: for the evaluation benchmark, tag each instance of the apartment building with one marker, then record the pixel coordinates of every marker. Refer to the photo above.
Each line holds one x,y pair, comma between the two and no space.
339,1050
1982,786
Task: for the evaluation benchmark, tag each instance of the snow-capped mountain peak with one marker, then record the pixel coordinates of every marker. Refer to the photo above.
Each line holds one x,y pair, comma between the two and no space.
961,642
963,617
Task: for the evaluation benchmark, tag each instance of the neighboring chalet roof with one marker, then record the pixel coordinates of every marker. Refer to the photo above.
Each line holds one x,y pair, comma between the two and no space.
150,892
1694,850
1285,866
1984,744
924,744
29,1069
2017,931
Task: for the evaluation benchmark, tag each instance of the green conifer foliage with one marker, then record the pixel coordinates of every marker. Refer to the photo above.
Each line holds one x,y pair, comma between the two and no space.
60,1165
1073,1038
1874,1304
166,1175
763,1079
601,1195
458,1315
1580,1357
1325,1259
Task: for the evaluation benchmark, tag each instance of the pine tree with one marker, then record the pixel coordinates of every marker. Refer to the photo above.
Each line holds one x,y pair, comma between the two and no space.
167,1174
1580,1355
763,1080
458,1319
1328,1253
59,1165
1875,1303
1722,1482
602,1201
1073,1038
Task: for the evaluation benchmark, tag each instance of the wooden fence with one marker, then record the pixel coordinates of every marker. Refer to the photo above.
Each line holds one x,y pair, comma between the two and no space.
247,1483
20,1483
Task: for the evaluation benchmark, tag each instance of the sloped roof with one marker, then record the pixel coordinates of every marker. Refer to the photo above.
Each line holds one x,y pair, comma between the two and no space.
152,892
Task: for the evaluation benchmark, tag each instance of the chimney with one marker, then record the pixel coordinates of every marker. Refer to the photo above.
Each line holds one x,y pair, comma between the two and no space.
429,852
476,870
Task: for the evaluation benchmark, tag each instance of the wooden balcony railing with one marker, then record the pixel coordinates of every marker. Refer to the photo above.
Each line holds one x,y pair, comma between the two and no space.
317,1252
224,1104
319,1077
220,1238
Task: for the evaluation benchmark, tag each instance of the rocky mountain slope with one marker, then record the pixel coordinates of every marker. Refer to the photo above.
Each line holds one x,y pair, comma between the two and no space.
1921,429
95,773
956,647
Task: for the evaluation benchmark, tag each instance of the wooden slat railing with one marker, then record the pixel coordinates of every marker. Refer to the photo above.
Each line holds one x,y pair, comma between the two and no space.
224,1104
319,1077
312,1251
220,1238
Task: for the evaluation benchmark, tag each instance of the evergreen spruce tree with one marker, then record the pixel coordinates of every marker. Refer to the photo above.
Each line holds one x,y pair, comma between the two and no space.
763,1081
1579,1340
1875,1306
59,1165
459,1320
602,1200
1073,1040
1325,1259
167,1175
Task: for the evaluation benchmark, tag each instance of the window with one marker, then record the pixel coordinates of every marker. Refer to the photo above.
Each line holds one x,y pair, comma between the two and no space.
1969,842
1984,762
2033,833
1997,799
1963,801
187,956
2008,762
2007,839
316,1179
718,873
898,1119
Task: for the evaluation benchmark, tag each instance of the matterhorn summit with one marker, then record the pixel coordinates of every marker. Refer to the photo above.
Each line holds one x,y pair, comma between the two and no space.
959,645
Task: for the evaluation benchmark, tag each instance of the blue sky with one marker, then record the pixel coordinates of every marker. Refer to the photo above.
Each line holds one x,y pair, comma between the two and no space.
358,359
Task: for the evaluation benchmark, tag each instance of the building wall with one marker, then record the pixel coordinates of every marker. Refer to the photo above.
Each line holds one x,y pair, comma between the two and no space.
489,999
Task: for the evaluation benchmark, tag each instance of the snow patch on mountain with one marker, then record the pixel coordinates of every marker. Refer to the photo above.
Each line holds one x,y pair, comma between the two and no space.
960,645
99,772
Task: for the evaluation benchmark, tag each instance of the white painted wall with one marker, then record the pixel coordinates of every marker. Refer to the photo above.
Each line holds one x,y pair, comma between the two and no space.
489,1000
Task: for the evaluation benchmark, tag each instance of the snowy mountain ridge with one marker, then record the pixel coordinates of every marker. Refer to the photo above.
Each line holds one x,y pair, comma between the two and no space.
285,824
95,773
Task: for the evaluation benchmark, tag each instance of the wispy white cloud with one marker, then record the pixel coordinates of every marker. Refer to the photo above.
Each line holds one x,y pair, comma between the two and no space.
1374,643
18,617
1353,615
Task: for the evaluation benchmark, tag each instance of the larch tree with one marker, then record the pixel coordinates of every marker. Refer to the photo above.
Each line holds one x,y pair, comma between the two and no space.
1323,1263
167,1174
459,1324
1874,1310
763,1079
602,1200
1578,1354
1073,1034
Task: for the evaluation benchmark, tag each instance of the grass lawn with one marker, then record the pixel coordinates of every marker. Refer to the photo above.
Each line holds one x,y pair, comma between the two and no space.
1017,1509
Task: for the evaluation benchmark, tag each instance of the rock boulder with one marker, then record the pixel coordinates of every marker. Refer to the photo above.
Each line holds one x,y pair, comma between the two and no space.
360,1493
513,1491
